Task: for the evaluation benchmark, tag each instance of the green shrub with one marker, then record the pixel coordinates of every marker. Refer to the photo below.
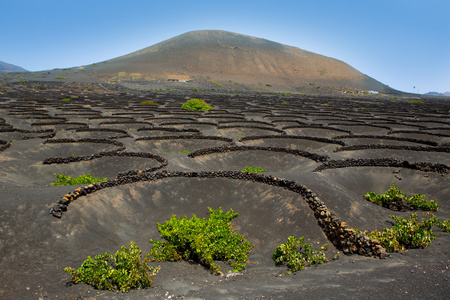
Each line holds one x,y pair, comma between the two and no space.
60,77
408,233
284,103
202,241
395,199
82,179
418,201
121,271
253,170
416,102
66,99
218,84
445,226
296,255
196,104
148,103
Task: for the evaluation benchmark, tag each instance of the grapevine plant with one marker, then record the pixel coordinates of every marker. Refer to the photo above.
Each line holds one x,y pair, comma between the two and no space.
253,170
395,199
120,272
408,233
296,255
203,241
82,179
196,104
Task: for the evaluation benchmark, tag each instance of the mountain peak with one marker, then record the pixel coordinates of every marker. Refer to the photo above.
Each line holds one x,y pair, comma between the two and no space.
223,55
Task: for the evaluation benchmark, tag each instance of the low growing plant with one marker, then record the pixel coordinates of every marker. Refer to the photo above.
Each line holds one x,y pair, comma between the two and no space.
218,84
122,271
445,226
203,241
296,255
395,199
408,233
196,104
148,103
82,179
253,170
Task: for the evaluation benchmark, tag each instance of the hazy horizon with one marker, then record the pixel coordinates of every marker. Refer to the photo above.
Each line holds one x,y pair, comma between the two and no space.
402,44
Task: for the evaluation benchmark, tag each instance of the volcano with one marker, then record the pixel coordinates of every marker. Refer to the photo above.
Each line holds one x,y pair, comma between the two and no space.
224,56
10,68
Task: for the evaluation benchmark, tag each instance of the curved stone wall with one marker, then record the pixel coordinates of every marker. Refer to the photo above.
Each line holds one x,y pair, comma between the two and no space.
344,238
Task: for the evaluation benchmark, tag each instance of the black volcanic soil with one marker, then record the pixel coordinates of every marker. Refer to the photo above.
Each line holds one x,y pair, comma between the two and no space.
109,134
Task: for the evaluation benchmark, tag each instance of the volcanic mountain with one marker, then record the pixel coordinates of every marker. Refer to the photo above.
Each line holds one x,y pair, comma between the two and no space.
9,68
222,56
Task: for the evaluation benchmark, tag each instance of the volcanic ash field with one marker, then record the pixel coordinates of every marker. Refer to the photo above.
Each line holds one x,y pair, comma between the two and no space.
321,155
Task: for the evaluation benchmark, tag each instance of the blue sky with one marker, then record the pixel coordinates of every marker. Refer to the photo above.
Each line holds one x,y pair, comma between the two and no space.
402,43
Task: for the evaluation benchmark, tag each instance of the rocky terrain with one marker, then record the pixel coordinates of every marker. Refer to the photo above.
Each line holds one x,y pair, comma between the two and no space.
322,153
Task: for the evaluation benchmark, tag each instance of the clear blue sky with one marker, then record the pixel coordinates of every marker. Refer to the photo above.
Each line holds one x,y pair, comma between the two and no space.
402,43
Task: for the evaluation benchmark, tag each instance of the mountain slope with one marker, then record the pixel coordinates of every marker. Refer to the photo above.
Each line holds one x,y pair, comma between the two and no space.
222,55
9,68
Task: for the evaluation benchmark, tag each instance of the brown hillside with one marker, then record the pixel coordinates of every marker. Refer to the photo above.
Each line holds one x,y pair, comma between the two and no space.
221,55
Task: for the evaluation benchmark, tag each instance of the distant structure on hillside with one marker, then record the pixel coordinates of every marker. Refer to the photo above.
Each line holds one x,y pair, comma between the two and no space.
178,77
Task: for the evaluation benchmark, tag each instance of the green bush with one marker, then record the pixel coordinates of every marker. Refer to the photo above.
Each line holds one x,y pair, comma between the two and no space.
218,84
408,233
253,170
445,226
202,241
148,103
395,199
196,104
296,255
121,271
82,179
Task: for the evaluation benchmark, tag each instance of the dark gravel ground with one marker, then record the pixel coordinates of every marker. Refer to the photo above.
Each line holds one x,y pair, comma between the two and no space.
35,246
